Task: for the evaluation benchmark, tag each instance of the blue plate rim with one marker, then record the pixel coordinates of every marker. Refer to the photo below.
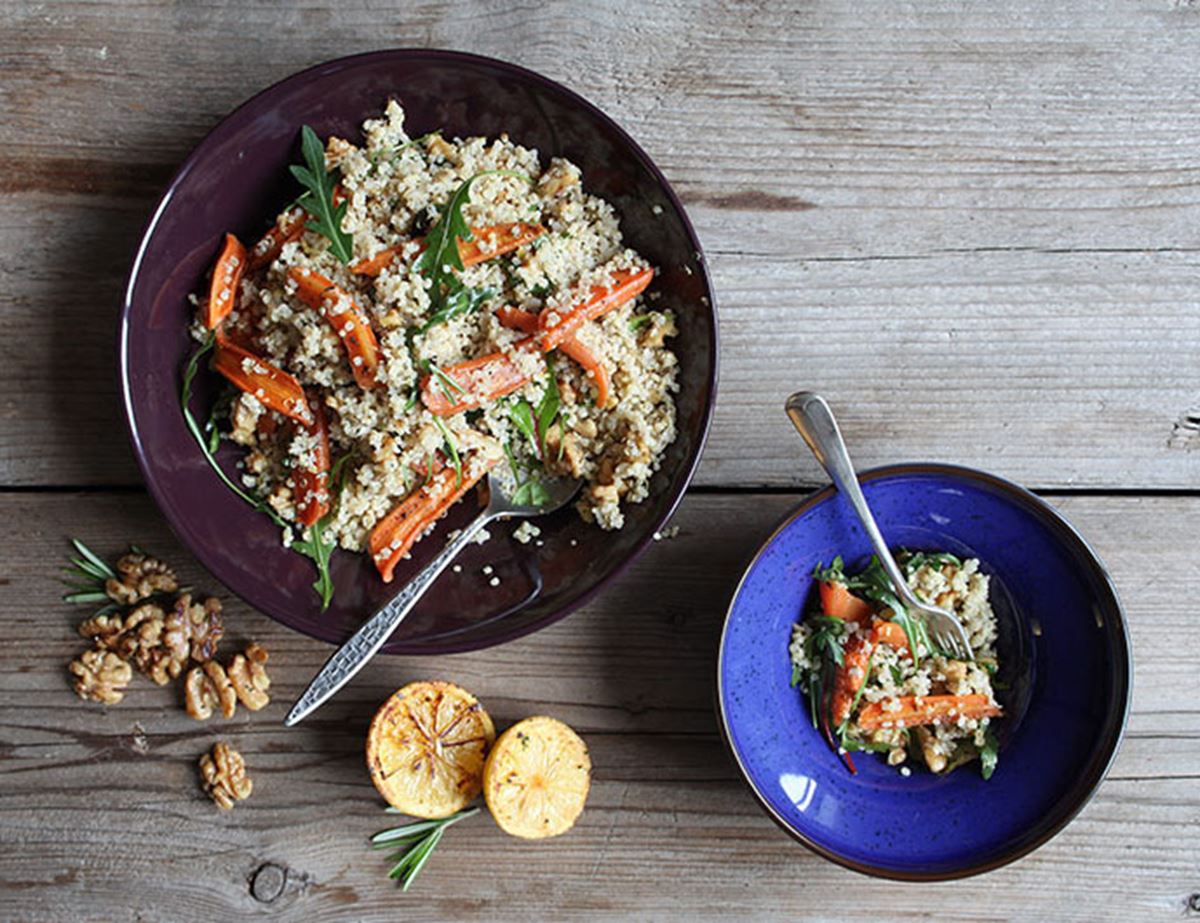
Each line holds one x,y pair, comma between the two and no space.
1094,772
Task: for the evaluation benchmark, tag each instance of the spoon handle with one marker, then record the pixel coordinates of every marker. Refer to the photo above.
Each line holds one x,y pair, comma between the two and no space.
354,654
816,424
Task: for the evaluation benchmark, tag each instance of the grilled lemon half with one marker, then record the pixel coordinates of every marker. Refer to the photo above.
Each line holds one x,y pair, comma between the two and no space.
536,779
426,749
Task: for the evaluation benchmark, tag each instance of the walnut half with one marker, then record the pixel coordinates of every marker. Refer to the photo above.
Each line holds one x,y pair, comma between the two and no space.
244,680
139,576
224,776
101,676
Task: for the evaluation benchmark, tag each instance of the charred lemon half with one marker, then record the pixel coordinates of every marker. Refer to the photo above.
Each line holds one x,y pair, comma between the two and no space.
537,778
426,749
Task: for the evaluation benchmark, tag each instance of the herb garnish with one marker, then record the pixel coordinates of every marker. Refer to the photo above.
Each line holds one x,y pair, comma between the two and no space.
989,754
534,423
318,200
451,450
529,490
414,843
441,262
448,386
461,301
87,578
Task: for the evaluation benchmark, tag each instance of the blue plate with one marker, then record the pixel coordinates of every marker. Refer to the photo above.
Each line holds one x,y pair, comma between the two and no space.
1066,666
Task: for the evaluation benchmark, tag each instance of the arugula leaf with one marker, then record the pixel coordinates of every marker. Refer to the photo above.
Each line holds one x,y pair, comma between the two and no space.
797,675
522,416
548,407
451,450
318,200
529,490
319,550
913,561
989,755
461,300
441,258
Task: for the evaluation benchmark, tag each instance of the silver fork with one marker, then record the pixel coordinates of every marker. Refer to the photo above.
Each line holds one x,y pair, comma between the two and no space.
354,654
815,422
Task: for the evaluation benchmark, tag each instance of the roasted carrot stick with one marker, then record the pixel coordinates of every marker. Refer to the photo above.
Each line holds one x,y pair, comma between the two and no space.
287,227
400,529
856,662
310,483
347,321
932,708
273,387
840,603
475,382
516,319
501,239
591,304
226,277
506,237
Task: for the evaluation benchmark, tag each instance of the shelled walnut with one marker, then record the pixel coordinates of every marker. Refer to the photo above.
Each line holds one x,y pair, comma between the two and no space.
138,577
245,679
101,676
194,628
224,776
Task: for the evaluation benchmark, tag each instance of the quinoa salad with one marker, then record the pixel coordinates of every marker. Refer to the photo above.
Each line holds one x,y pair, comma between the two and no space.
429,309
875,682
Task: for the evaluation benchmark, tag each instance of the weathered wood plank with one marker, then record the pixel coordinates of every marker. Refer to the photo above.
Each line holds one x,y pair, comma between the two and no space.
99,823
976,230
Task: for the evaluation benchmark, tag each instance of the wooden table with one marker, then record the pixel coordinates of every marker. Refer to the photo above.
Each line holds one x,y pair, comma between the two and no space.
976,228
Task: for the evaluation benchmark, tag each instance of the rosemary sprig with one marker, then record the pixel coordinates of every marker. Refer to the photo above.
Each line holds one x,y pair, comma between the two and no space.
447,385
86,579
414,843
318,200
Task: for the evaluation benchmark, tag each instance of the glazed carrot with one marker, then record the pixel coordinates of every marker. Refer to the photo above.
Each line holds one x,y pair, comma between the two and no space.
889,633
840,603
347,321
595,302
516,319
310,484
932,708
226,277
273,387
507,238
288,227
400,529
850,676
477,381
501,238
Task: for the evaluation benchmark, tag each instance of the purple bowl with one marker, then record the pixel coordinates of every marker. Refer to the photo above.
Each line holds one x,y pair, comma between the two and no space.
1065,663
237,180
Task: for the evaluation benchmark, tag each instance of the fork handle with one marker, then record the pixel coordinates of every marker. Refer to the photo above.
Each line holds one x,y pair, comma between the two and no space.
813,419
366,642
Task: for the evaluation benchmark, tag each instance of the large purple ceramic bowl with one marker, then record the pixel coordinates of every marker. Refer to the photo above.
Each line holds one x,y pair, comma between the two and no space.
1064,680
237,180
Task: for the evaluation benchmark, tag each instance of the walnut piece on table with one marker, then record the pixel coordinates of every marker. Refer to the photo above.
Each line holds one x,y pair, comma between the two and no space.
101,676
249,677
138,577
224,776
245,679
194,628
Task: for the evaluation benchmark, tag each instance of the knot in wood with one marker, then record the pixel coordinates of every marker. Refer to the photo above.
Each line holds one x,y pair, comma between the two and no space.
1193,903
267,882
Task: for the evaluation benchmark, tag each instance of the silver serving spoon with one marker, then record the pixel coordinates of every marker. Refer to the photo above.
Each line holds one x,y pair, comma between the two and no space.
814,420
354,654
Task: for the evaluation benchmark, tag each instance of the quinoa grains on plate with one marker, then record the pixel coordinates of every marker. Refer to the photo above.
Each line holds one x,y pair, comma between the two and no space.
875,681
432,308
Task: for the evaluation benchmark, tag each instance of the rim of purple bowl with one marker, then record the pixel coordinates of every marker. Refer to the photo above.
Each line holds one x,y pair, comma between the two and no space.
451,645
1096,770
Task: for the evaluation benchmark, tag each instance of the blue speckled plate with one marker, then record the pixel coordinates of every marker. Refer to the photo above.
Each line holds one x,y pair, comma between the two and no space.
1065,662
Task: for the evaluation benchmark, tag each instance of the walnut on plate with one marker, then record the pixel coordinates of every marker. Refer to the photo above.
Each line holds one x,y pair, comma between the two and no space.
101,676
224,776
139,576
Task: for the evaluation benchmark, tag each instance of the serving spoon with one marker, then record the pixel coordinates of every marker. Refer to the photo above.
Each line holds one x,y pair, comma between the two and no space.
354,654
811,416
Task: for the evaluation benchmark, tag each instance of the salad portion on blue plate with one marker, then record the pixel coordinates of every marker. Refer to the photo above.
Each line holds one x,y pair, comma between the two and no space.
877,750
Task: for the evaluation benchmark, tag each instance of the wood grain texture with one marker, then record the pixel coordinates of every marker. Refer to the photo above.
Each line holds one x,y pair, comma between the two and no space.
974,228
102,818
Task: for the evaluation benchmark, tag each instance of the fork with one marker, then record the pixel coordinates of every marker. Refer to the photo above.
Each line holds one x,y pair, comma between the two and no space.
813,419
